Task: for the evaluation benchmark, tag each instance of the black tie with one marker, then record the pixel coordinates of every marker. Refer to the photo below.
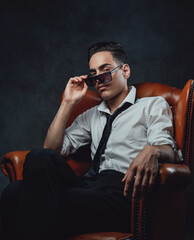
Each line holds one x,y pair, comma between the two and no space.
102,145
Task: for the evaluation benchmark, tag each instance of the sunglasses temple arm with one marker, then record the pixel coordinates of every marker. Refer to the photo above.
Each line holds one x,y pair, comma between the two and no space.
116,68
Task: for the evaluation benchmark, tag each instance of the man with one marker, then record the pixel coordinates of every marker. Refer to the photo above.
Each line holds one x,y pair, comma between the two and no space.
52,200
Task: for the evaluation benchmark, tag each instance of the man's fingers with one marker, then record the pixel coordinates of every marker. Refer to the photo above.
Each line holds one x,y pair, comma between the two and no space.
129,179
78,79
137,186
151,182
129,174
127,188
73,80
84,76
145,182
124,178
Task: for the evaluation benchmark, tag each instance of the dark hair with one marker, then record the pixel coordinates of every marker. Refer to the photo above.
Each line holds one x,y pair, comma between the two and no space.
116,50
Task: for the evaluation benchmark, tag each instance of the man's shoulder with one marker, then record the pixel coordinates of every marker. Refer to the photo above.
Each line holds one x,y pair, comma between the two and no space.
154,106
152,103
151,100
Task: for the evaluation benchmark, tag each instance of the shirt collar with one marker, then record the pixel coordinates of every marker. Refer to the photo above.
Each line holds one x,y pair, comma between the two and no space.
129,98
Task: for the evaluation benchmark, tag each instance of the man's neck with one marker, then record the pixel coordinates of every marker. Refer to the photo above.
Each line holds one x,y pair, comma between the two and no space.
113,103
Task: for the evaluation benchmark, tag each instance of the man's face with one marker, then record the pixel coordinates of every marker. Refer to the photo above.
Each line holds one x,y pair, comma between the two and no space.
102,62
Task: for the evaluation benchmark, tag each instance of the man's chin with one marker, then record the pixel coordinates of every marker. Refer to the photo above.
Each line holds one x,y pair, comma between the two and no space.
105,95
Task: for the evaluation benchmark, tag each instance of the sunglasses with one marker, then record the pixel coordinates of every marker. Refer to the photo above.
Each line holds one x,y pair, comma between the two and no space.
103,78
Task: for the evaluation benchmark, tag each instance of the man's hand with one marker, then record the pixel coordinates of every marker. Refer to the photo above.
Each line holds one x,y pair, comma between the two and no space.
75,90
142,172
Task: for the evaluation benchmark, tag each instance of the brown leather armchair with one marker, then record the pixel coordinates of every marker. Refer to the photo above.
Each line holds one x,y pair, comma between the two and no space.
161,214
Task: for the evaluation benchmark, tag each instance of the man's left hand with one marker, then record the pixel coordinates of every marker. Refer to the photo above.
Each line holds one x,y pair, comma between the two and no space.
142,172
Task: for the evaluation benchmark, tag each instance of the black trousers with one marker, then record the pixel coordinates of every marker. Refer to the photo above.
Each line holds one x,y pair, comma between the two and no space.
51,202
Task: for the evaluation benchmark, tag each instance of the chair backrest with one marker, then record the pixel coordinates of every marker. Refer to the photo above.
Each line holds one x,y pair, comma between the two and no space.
181,102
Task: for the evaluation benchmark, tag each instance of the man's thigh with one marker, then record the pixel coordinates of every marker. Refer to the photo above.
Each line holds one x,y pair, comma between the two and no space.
94,209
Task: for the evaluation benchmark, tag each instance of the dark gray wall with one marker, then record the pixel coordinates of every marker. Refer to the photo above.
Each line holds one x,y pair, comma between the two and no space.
43,43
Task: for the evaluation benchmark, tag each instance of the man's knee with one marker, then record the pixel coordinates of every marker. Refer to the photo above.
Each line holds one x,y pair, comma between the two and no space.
40,159
41,153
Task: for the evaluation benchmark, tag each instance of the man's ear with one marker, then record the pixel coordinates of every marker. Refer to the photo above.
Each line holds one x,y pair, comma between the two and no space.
126,71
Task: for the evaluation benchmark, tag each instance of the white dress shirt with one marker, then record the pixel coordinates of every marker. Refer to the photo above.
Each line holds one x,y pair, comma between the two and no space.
148,121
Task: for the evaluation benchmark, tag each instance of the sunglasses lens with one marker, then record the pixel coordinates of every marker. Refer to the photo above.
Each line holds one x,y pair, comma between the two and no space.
91,81
106,77
103,78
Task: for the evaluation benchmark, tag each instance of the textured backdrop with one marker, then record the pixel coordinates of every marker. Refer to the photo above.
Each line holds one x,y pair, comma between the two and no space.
44,43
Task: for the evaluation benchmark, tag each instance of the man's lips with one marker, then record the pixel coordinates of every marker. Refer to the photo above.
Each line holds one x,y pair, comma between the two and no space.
102,87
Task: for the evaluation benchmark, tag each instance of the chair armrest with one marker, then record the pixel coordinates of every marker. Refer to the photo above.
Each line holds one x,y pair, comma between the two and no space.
12,164
172,180
170,173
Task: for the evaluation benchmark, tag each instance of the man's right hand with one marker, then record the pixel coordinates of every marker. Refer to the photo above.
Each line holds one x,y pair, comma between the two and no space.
75,90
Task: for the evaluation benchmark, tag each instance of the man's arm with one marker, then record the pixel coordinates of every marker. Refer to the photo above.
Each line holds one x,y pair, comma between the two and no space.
74,92
142,172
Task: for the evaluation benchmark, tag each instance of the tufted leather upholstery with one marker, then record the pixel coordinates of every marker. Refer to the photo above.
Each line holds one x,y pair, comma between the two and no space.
161,214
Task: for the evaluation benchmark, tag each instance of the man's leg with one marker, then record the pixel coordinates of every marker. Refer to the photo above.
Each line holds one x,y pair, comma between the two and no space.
45,174
99,207
8,208
53,196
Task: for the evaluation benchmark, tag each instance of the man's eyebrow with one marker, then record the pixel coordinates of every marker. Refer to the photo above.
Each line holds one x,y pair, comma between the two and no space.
100,67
